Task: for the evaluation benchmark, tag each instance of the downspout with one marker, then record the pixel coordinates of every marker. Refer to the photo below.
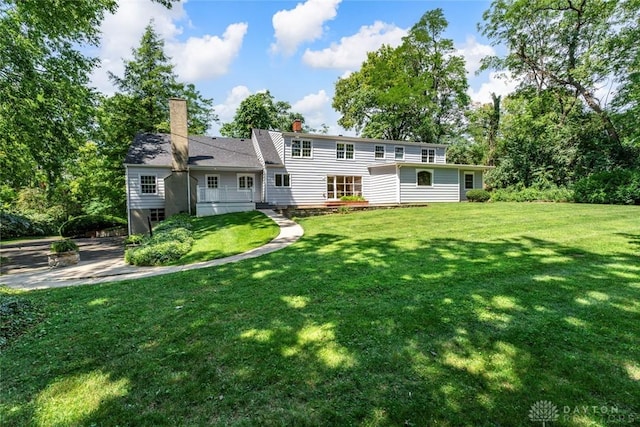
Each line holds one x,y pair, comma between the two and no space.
126,174
189,189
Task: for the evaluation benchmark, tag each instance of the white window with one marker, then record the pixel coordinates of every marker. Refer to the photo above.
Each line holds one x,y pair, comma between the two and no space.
468,180
338,186
283,180
379,152
148,184
424,178
399,153
213,181
344,151
428,155
301,148
245,182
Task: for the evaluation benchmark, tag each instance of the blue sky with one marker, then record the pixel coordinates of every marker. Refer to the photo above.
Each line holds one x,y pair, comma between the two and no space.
296,50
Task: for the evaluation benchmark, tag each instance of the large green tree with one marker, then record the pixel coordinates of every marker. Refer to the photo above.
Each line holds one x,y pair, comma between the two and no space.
575,45
416,91
260,111
141,104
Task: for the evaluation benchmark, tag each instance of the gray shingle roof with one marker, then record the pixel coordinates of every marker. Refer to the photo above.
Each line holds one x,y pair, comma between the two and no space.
155,150
267,148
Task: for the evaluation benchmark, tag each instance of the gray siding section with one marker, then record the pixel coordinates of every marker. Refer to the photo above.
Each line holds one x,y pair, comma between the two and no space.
383,185
279,195
445,186
137,200
477,182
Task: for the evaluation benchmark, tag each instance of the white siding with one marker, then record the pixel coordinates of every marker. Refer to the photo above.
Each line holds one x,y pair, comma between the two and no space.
279,195
229,181
137,200
383,185
445,186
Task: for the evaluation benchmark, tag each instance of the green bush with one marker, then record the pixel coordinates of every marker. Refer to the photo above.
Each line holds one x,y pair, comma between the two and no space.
171,240
619,187
134,239
64,245
353,199
478,195
14,225
81,225
531,194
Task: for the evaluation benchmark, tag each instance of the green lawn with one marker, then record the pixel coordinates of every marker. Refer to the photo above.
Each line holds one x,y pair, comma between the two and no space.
221,236
448,315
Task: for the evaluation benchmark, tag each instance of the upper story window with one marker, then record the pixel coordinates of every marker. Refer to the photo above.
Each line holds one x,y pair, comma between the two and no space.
399,153
379,152
148,184
212,181
428,155
301,148
344,150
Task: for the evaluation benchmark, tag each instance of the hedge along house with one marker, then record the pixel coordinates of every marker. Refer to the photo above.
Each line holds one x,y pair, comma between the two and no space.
171,173
167,174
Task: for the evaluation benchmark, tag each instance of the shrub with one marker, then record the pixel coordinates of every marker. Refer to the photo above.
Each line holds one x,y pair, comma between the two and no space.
14,225
620,187
353,199
64,245
531,194
171,240
478,195
134,239
81,225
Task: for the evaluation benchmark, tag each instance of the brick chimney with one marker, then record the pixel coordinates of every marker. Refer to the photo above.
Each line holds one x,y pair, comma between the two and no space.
297,125
179,139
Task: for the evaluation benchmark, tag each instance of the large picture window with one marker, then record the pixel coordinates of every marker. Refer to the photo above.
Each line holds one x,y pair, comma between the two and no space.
301,148
344,151
424,178
338,186
148,184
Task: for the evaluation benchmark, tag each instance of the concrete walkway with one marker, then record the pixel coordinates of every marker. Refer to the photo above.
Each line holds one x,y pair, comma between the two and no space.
88,273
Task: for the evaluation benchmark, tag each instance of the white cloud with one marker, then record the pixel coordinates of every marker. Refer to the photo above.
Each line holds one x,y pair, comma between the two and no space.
207,56
473,52
314,108
500,83
352,50
122,31
302,24
227,109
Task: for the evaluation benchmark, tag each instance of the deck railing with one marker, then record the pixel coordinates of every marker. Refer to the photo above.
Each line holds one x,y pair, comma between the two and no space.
224,194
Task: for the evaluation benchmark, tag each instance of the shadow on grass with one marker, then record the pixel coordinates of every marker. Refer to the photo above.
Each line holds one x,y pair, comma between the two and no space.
339,331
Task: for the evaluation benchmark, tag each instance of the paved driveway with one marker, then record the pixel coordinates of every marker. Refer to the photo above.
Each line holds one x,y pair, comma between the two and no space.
31,255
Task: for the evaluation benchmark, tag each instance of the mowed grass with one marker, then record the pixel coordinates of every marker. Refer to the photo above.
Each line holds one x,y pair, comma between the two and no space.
230,234
448,315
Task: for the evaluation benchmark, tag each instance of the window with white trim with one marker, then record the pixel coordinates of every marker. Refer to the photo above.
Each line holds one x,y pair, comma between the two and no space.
213,181
399,153
338,186
468,180
424,178
379,152
283,180
428,155
344,150
301,148
245,182
148,184
156,215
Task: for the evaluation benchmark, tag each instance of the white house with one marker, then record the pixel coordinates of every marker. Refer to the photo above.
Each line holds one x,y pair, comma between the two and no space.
167,174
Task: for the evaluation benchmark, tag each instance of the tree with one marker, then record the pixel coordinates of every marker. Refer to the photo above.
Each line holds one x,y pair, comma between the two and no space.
416,91
568,44
260,111
140,105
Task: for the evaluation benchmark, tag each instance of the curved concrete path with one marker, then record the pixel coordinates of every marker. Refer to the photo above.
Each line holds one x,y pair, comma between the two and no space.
115,270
